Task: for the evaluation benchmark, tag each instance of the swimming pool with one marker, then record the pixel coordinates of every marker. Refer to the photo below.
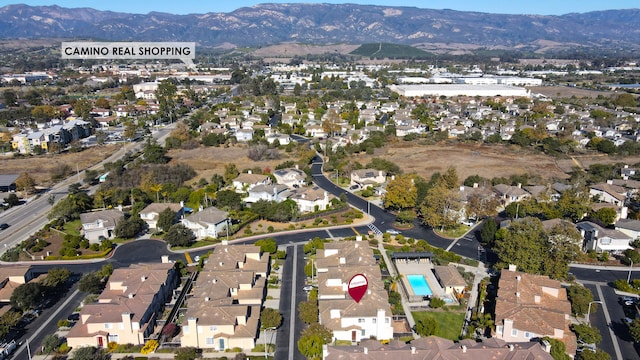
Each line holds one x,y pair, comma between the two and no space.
419,285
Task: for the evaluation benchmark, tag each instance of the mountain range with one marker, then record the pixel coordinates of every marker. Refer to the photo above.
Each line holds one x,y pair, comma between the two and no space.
268,24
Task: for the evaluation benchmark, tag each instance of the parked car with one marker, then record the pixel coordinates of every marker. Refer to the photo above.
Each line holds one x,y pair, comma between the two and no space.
4,226
393,232
308,288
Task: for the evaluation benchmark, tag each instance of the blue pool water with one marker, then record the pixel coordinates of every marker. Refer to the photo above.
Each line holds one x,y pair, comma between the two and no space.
419,285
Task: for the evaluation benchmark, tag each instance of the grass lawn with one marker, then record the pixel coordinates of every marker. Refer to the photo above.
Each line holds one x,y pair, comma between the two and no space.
450,323
72,227
454,233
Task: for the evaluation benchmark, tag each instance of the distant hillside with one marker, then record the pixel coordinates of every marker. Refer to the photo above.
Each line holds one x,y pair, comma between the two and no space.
268,24
392,51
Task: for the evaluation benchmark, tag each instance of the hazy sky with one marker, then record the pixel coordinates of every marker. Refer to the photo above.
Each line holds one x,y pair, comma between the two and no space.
542,7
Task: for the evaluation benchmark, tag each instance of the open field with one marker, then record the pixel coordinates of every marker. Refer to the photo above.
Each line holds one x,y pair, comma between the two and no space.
40,167
567,92
469,159
207,161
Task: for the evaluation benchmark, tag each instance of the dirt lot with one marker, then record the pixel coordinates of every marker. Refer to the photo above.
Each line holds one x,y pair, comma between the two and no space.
40,167
484,160
209,160
566,92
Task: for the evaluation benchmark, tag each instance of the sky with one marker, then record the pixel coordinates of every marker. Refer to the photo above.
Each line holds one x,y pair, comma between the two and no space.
539,7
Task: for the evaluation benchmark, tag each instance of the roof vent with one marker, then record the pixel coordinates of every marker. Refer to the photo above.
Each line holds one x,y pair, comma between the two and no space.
131,295
207,299
464,348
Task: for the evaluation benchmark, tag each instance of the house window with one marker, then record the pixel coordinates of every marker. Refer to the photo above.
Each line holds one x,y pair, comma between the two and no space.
605,241
386,320
209,341
374,320
528,335
363,332
499,329
360,320
514,332
121,326
185,329
108,325
113,338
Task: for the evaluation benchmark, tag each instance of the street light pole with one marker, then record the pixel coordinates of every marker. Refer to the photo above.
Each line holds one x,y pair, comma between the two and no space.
629,276
589,310
266,353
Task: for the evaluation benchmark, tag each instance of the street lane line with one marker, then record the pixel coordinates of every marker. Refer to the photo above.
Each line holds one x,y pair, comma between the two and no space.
292,317
614,338
188,257
355,231
330,235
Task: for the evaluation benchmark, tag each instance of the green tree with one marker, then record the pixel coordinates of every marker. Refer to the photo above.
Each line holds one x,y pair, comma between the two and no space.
587,333
228,199
91,353
71,206
179,235
56,277
440,206
25,183
10,98
634,330
129,228
27,296
90,283
51,343
270,318
166,96
401,193
267,245
312,339
166,219
563,247
580,297
488,232
599,354
427,326
154,153
230,172
558,349
308,311
524,245
606,216
450,178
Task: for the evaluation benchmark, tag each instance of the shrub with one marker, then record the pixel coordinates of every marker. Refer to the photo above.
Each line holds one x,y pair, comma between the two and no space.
436,302
149,346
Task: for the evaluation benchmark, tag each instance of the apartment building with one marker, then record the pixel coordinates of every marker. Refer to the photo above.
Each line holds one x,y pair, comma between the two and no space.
127,309
349,320
223,309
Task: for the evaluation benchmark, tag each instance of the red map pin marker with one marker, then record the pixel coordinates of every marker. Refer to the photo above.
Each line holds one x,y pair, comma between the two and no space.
358,287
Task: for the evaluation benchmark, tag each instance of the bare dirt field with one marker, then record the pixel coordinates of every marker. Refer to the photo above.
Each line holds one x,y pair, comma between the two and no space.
207,161
469,159
567,92
40,167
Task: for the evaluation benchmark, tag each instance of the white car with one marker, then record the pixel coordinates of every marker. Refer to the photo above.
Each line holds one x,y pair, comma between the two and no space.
307,288
393,232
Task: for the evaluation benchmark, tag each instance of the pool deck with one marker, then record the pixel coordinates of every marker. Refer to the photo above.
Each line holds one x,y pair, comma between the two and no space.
420,267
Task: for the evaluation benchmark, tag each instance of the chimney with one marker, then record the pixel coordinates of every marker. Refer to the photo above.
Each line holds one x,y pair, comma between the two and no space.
546,346
365,350
475,185
511,347
519,186
249,172
518,277
131,295
464,348
297,167
517,294
512,267
143,278
462,188
207,298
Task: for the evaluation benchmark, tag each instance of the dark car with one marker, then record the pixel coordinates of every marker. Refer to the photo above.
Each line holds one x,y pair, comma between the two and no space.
4,226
